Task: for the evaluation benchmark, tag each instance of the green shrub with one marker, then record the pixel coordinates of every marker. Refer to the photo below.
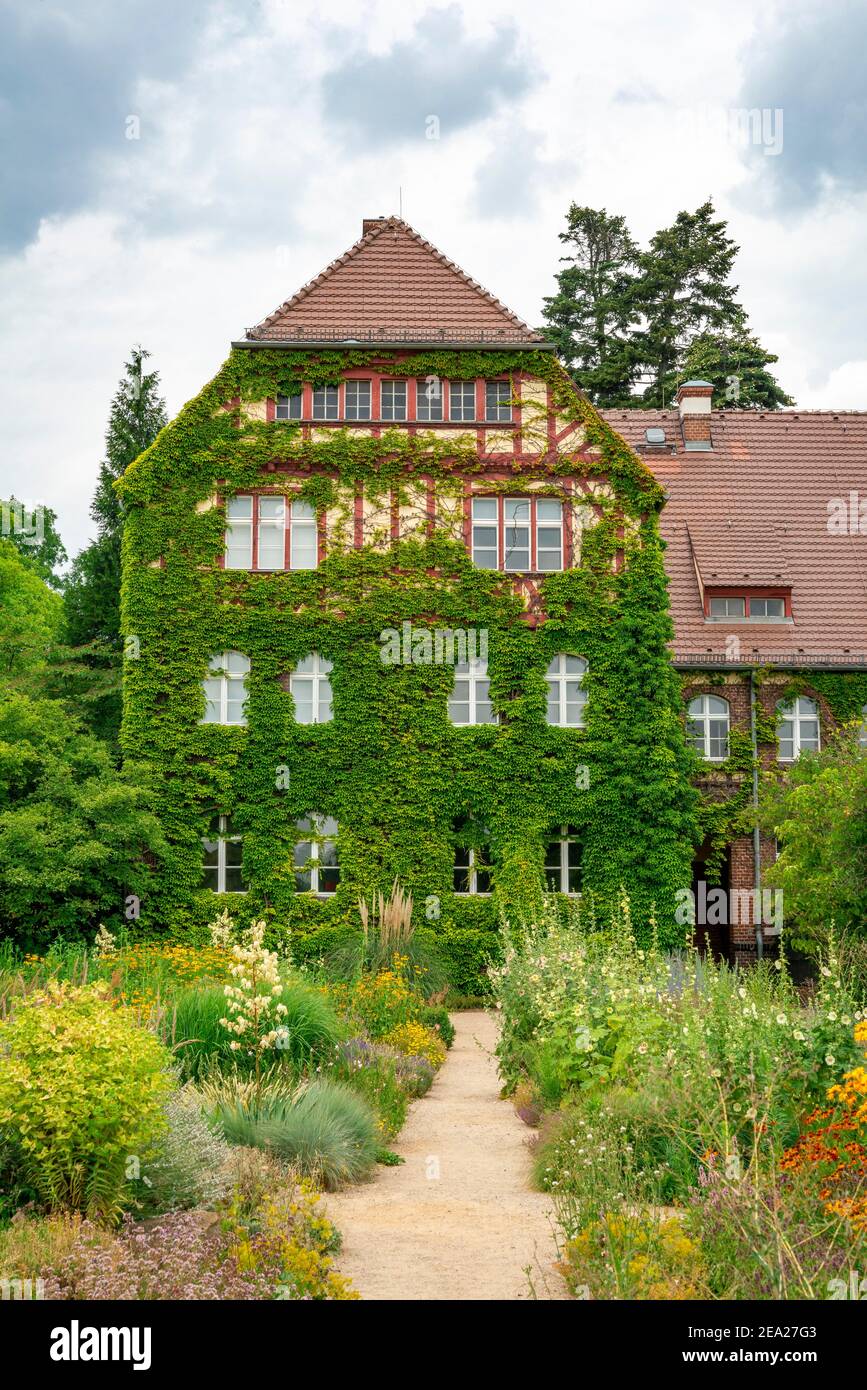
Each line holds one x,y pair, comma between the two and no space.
436,1016
189,1168
309,1029
82,1094
373,1071
326,1132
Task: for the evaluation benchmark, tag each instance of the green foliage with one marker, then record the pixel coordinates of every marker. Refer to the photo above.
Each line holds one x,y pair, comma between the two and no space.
31,618
818,813
326,1132
188,1167
437,1017
73,830
391,768
35,536
736,365
309,1029
82,1091
592,317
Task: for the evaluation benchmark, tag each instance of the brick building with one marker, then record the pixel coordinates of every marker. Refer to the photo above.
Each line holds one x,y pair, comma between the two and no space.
241,501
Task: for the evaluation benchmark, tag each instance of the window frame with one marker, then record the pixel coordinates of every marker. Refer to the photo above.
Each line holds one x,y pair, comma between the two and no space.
503,403
290,413
224,825
560,678
704,717
791,714
358,383
317,676
289,520
422,411
318,837
566,835
462,383
473,672
748,597
224,675
326,403
473,871
533,525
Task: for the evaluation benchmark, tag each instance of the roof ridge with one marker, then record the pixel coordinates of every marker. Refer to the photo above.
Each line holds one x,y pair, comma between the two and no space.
390,223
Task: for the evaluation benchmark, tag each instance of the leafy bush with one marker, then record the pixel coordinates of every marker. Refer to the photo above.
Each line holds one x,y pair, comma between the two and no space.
326,1131
436,1016
373,1071
308,1030
189,1166
82,1091
379,1002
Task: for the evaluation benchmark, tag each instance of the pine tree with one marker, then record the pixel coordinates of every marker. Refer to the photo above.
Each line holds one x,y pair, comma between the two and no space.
93,590
736,364
683,292
592,318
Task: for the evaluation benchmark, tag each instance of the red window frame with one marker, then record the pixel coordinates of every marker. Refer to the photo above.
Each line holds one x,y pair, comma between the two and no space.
377,378
532,498
747,595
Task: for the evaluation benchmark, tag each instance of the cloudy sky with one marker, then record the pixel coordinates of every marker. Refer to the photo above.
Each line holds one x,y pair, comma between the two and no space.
173,169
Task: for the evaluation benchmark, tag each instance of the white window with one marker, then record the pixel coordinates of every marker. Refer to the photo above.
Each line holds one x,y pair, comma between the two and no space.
429,399
471,872
357,400
462,400
289,407
326,403
392,401
563,862
315,858
310,688
862,732
470,701
222,867
225,689
239,533
304,538
728,608
517,533
566,694
707,727
271,533
498,400
797,728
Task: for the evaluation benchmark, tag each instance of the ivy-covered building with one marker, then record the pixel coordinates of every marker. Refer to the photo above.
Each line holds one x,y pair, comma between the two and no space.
396,606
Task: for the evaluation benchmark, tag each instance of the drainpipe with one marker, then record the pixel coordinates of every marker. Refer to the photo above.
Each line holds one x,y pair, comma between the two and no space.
757,844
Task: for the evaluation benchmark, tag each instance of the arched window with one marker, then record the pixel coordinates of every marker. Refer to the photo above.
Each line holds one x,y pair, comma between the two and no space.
222,866
797,728
707,727
566,694
310,688
563,861
226,689
470,701
316,864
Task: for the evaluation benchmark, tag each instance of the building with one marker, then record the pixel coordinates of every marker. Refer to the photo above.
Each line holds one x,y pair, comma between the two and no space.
399,606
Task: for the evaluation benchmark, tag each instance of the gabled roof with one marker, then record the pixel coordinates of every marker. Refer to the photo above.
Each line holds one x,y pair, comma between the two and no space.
393,286
753,512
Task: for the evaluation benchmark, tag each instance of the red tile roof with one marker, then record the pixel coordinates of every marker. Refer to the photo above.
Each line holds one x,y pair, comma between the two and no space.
393,286
754,511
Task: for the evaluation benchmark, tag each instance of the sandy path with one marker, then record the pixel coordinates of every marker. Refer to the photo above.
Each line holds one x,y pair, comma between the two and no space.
457,1220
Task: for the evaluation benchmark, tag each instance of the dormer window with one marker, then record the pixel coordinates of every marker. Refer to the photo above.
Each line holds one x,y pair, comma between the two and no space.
746,607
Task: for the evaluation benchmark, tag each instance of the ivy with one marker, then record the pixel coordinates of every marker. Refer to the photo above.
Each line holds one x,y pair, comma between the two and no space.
398,777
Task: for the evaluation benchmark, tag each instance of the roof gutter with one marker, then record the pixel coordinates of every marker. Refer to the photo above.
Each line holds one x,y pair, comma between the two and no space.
507,344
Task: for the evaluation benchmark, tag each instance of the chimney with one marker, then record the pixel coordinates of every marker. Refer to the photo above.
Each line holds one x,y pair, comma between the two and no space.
694,399
369,223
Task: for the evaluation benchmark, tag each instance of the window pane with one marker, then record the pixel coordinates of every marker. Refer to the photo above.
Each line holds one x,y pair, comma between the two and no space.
429,399
239,545
498,400
483,880
212,688
462,400
548,510
271,545
301,689
807,707
325,403
306,664
516,509
358,400
325,700
239,509
484,708
271,508
289,407
303,545
393,400
303,875
553,714
484,509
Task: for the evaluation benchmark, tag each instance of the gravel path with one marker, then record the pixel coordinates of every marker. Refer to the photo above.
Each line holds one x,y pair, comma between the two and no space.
457,1220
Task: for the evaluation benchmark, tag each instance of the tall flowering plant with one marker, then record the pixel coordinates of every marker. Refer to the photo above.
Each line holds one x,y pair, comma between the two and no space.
253,1007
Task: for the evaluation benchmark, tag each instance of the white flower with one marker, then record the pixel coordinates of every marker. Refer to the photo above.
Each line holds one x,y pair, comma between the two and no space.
781,1019
826,972
830,1059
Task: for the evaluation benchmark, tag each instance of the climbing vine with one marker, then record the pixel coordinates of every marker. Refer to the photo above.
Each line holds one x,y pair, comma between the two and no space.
403,783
